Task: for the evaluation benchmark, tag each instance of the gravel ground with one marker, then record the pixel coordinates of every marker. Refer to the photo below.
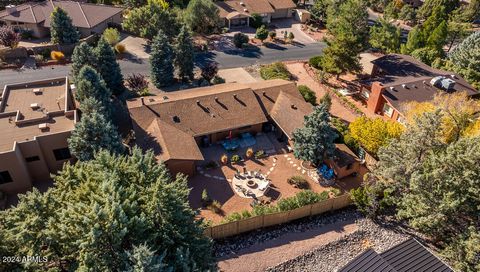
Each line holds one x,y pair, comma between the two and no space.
335,255
232,245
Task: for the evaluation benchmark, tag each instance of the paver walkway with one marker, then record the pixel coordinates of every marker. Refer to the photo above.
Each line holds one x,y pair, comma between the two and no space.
258,257
303,78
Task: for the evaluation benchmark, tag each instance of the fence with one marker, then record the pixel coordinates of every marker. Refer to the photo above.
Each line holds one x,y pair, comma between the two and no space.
267,220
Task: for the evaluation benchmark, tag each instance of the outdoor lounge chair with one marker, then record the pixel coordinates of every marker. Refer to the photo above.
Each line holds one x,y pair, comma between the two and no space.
263,186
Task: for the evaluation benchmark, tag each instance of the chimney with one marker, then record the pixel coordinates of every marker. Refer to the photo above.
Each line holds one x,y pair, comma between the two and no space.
11,9
375,100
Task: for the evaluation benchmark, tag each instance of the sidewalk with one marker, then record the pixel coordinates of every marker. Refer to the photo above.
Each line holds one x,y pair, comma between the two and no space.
261,256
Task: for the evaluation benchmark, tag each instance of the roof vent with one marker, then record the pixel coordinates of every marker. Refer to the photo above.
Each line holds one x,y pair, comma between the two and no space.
453,76
447,84
34,106
234,95
246,10
216,98
43,126
293,106
37,91
198,102
151,100
11,9
392,88
404,86
424,82
165,97
436,81
176,119
414,86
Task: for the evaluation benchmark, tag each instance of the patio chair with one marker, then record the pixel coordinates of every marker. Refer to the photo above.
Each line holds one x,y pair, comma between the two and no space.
263,186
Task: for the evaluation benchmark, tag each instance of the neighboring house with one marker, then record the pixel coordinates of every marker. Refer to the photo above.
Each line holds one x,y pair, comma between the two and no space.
404,257
175,126
397,79
35,16
36,118
344,162
236,13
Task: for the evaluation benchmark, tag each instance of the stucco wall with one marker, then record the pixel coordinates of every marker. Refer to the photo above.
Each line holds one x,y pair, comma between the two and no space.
220,136
181,166
13,162
38,31
282,13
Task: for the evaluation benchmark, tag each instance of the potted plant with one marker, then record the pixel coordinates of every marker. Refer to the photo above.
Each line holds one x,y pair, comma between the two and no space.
259,154
235,158
249,153
224,159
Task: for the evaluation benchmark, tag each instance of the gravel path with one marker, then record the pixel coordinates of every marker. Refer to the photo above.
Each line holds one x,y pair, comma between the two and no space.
336,254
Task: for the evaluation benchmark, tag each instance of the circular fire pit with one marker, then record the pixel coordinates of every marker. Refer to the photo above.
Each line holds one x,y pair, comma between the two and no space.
251,183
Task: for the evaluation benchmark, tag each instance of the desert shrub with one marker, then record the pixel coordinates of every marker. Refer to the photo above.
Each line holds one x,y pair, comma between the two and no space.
308,94
57,55
256,20
336,192
39,59
261,33
239,39
298,182
218,80
26,34
8,37
259,154
301,199
45,53
215,206
275,70
291,36
264,209
111,35
235,158
315,62
272,34
120,48
137,83
206,200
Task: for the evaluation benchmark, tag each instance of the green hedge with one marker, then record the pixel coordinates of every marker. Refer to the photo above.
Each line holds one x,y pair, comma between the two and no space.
275,70
308,94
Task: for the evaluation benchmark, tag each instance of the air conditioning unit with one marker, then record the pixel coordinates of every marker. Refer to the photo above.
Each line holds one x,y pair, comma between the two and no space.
37,91
43,126
34,105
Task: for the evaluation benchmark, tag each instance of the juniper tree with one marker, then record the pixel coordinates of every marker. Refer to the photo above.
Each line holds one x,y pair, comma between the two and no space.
202,16
62,30
108,67
184,53
93,133
161,61
465,58
101,214
82,55
315,140
90,84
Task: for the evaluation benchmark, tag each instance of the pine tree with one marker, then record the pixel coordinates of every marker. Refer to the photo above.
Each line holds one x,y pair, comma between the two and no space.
102,213
385,37
465,59
315,141
415,40
161,61
62,30
438,37
184,53
340,57
82,55
91,85
93,133
262,33
108,67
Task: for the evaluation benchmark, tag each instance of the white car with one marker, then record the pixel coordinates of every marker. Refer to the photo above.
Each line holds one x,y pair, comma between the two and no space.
346,92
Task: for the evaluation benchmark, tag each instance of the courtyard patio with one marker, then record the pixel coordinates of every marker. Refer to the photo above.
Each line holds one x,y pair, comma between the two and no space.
276,166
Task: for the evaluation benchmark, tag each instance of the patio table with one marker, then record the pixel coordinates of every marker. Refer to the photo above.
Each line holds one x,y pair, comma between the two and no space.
250,186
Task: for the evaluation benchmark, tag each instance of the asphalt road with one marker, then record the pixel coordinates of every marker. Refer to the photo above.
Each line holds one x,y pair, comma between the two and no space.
225,59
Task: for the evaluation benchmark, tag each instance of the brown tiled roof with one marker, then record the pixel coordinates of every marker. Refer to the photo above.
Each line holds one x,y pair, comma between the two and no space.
251,6
282,4
396,70
289,113
169,124
83,15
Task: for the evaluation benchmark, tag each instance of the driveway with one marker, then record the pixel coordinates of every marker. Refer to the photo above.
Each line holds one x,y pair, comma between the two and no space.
236,75
136,46
290,25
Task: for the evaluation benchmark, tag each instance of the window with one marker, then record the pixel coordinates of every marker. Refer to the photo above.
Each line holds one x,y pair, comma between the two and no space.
5,177
387,110
62,154
365,94
32,159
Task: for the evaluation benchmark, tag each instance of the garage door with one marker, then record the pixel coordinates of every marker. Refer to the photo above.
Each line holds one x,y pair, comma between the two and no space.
280,13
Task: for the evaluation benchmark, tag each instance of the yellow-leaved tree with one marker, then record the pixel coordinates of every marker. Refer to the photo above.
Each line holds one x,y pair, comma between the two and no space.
460,114
373,133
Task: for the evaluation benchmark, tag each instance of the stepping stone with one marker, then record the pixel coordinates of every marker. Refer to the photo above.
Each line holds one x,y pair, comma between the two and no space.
268,173
229,180
274,164
285,155
271,169
299,168
291,162
216,177
294,165
289,159
303,171
207,175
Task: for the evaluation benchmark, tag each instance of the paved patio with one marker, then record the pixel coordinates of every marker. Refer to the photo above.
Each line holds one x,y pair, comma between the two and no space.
278,166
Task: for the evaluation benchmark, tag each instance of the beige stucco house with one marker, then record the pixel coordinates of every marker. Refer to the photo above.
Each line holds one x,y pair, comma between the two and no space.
36,118
35,16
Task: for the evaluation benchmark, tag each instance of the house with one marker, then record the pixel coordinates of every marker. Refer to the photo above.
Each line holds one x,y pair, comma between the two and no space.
396,79
407,256
36,118
176,125
343,162
35,16
236,13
